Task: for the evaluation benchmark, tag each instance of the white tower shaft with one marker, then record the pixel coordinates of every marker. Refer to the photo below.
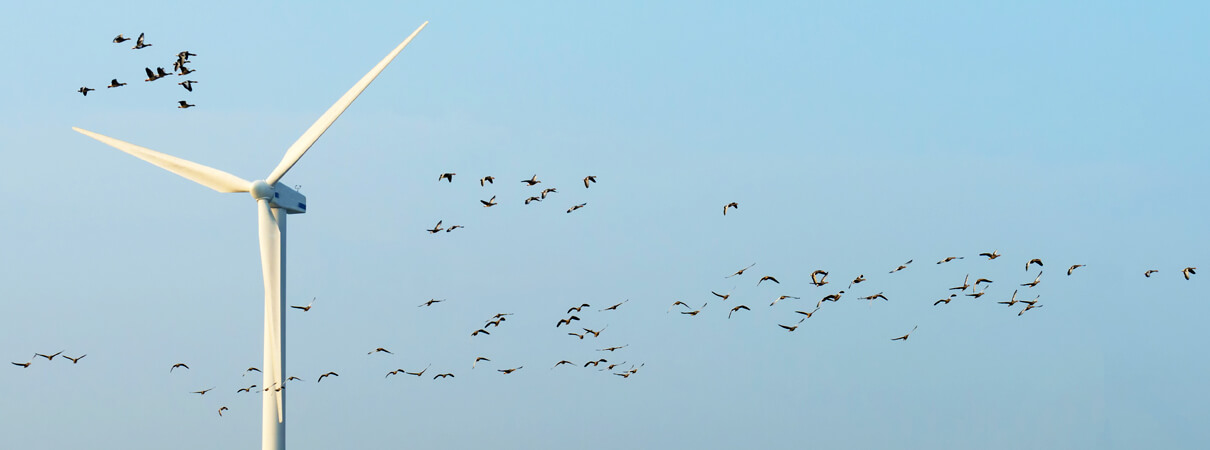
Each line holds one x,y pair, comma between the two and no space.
272,227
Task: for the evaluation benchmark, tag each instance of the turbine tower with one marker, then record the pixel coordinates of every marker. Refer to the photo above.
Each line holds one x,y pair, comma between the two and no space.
274,201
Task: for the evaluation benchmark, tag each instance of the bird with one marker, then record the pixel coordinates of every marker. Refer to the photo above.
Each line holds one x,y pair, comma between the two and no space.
532,181
859,279
49,357
547,191
945,300
1033,261
740,271
818,282
84,90
184,56
435,228
305,308
904,337
610,349
950,258
624,374
453,227
430,302
983,280
993,255
178,64
595,334
493,323
489,202
808,314
187,84
976,294
139,43
174,366
1149,272
561,363
566,321
902,266
76,359
595,363
294,378
1012,301
573,208
443,375
1037,279
789,328
577,308
185,70
1027,308
321,377
220,411
829,298
1189,271
875,297
692,313
730,205
532,199
247,389
781,298
202,392
161,73
114,83
120,39
151,76
252,369
420,373
446,176
380,349
592,178
737,308
965,284
481,358
184,105
579,335
766,277
1031,302
678,302
615,307
489,179
508,371
1074,267
476,332
24,364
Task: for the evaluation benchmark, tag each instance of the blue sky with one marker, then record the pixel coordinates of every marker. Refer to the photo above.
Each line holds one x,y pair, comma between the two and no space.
854,135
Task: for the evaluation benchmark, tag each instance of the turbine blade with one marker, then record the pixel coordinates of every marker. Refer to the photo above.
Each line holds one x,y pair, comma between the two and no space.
203,175
317,129
270,258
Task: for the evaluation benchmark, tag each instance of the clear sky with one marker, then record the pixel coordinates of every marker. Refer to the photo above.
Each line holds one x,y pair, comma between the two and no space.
855,136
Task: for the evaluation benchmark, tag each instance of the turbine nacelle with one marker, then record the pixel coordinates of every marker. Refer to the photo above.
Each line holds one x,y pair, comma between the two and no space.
279,196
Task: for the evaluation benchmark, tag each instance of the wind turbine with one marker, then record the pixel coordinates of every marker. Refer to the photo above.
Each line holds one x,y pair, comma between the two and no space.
274,201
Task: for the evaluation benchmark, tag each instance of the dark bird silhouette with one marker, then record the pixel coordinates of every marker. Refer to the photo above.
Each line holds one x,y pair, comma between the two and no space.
766,277
139,43
610,349
1074,267
420,373
443,375
1189,271
789,328
740,271
595,363
1149,272
446,176
737,308
489,179
904,337
579,335
495,323
1012,301
1037,279
24,364
489,202
185,70
595,334
508,371
76,359
151,76
692,313
120,39
184,56
292,378
1033,261
247,389
476,332
820,281
902,266
722,296
782,298
875,297
252,369
561,363
380,349
435,228
1031,302
990,256
573,208
161,73
587,179
829,298
1027,308
532,181
945,300
332,374
305,308
678,302
174,366
187,84
547,191
950,258
532,199
566,321
577,308
859,279
202,392
49,357
220,411
615,307
184,105
982,280
114,83
481,358
965,284
730,205
84,90
453,227
976,294
808,314
430,302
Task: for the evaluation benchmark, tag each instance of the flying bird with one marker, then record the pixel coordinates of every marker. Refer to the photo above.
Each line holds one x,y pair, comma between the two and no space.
453,227
174,366
595,334
1037,279
573,208
965,284
114,83
489,179
902,266
187,84
443,375
678,302
532,199
579,335
789,328
476,332
829,298
577,308
904,337
548,191
220,411
945,300
561,363
252,369
185,70
1074,267
435,228
138,43
321,377
84,90
1149,272
766,277
1188,271
820,281
692,313
446,176
781,298
24,364
481,358
184,56
184,105
1012,301
977,294
380,349
420,373
730,205
875,297
120,39
532,181
592,178
151,76
1033,261
615,307
595,363
202,392
1027,308
508,371
161,73
247,389
859,279
49,357
76,359
950,258
737,308
430,302
305,308
808,314
982,280
489,202
566,321
722,296
610,349
990,256
740,271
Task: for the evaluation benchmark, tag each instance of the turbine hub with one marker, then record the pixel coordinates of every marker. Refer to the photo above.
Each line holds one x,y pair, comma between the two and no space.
261,190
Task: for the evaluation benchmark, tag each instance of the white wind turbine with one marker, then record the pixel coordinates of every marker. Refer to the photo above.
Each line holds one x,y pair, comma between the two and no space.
273,201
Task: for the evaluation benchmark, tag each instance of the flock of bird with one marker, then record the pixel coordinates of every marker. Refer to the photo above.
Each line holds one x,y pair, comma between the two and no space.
530,182
179,68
